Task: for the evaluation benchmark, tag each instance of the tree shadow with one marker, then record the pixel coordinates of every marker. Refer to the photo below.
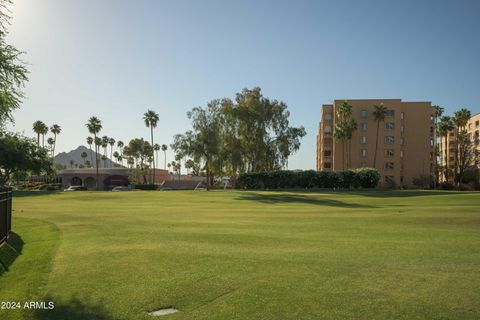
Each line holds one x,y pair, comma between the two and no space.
298,198
405,193
9,251
72,309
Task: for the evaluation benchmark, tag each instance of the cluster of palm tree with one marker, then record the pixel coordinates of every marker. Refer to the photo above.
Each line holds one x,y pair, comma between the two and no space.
41,129
462,148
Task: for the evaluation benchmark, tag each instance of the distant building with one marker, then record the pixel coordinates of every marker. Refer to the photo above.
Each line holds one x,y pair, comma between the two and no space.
405,140
107,177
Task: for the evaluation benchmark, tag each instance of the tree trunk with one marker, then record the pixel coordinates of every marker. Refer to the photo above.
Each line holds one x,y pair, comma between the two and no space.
153,154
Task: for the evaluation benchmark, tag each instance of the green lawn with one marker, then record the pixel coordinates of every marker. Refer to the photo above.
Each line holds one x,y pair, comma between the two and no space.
247,255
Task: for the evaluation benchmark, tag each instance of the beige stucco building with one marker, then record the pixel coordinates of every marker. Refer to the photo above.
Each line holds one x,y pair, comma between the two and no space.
447,149
405,140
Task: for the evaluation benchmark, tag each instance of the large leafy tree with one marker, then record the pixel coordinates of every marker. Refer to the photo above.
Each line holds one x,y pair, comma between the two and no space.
20,154
141,152
150,118
94,126
13,73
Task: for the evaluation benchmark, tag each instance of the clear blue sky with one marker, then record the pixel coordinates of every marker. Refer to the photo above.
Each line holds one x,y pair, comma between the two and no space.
116,59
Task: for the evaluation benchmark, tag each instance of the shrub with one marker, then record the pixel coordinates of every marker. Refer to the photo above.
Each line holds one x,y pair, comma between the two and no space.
145,186
364,178
446,186
423,181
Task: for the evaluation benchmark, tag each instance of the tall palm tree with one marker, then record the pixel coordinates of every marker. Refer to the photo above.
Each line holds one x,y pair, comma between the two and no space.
151,120
444,128
111,142
438,113
164,149
156,147
105,140
44,132
94,126
460,119
38,129
379,115
51,142
55,129
90,142
120,146
84,156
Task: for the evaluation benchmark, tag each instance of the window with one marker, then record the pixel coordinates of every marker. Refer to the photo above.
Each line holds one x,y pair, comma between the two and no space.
389,179
401,179
389,152
401,154
327,153
327,165
431,142
364,152
431,130
390,113
402,128
389,165
363,113
363,139
402,141
402,115
389,125
328,129
389,139
328,116
363,126
477,123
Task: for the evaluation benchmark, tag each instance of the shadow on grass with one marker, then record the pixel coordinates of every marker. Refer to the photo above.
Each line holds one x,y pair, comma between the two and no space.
405,193
72,309
10,251
321,200
21,193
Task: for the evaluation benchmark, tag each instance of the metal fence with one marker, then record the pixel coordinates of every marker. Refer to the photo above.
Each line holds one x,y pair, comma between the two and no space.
5,213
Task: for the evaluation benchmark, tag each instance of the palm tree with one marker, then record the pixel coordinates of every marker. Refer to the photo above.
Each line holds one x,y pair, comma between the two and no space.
460,119
151,120
94,125
84,156
89,142
120,146
444,128
105,140
116,155
71,163
55,129
44,132
111,142
51,142
38,129
438,113
164,149
157,148
379,115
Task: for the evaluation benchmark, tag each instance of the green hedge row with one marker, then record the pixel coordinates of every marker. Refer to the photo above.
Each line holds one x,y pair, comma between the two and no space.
359,178
145,186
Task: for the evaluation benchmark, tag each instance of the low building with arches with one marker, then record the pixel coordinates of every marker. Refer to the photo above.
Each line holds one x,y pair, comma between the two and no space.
107,177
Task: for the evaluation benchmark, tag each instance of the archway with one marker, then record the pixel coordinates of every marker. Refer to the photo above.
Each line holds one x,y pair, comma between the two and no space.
76,181
89,182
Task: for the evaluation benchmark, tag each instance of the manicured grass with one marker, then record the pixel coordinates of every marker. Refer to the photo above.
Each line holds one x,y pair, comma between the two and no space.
248,255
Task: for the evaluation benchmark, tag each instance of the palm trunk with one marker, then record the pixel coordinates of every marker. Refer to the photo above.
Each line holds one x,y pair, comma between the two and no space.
91,155
54,144
153,154
376,147
165,160
96,163
446,158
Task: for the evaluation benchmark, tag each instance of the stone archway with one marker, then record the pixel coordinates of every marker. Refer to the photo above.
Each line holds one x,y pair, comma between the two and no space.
89,182
76,181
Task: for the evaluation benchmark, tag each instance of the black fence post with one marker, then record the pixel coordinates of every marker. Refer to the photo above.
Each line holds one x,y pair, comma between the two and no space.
5,213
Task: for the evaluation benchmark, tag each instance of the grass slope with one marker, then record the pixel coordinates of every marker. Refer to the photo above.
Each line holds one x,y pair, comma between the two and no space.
248,255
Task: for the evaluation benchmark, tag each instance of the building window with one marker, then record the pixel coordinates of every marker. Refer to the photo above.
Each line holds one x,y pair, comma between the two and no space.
363,139
389,139
477,123
402,128
389,165
401,179
363,126
401,154
328,129
389,152
364,152
431,130
389,179
363,113
327,165
390,113
389,125
431,142
328,116
327,153
402,115
402,141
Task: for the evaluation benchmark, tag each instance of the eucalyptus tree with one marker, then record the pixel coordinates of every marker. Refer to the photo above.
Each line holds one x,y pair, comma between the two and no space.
150,119
55,129
460,119
379,113
13,73
94,126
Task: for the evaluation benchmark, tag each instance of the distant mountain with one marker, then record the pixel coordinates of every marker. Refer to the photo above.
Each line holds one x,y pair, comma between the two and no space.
64,158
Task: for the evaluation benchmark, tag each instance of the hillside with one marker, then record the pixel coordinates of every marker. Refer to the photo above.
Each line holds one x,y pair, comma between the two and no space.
64,158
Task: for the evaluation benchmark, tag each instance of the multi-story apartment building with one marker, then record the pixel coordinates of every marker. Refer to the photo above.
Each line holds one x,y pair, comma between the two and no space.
405,140
447,148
